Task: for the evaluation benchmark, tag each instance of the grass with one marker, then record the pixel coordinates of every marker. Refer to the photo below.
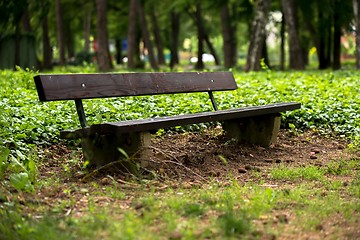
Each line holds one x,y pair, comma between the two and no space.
298,173
212,211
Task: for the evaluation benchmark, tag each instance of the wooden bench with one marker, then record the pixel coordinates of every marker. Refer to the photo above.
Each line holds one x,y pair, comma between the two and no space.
101,142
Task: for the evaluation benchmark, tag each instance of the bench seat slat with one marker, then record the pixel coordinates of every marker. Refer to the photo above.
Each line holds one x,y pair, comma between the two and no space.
142,125
84,86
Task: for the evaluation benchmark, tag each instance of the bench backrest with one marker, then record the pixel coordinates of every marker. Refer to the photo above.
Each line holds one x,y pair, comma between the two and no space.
52,87
84,86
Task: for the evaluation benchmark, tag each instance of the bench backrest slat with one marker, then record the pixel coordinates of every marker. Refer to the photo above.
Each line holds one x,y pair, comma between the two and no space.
83,86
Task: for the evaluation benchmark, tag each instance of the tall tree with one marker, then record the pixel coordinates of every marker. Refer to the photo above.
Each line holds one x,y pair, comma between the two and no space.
103,53
228,27
175,29
157,36
356,6
60,32
337,36
69,40
146,36
87,25
295,52
282,43
200,35
132,45
257,35
196,14
264,53
26,21
47,51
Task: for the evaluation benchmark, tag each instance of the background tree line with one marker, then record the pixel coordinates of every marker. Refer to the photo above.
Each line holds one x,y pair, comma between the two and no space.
71,32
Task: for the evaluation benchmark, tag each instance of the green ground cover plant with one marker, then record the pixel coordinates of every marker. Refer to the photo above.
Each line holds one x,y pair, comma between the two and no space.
283,201
330,104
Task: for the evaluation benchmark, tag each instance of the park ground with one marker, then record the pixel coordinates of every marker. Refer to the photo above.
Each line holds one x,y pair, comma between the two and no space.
303,187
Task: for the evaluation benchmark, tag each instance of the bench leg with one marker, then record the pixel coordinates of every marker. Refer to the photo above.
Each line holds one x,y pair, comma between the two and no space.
103,149
261,130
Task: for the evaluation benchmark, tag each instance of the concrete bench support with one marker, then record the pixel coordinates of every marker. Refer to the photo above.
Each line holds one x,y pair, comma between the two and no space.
261,130
103,149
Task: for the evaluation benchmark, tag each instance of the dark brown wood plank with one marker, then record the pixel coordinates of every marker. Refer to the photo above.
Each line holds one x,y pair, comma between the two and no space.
172,121
83,86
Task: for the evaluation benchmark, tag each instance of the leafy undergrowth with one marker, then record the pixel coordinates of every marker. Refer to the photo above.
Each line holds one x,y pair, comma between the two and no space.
330,104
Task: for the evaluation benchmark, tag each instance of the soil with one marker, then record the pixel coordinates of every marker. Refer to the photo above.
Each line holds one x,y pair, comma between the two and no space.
198,157
184,160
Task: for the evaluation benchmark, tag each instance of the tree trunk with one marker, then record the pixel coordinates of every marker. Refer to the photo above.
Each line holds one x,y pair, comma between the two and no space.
69,41
87,27
225,27
175,29
47,51
158,39
329,40
103,53
295,53
323,38
200,34
17,45
60,32
356,5
257,35
313,34
146,37
226,34
131,35
229,38
264,54
233,32
337,38
282,43
211,49
26,21
118,46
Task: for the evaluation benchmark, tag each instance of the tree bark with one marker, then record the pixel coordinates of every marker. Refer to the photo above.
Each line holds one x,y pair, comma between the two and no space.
146,37
356,6
282,43
60,32
229,38
17,45
87,27
295,53
131,35
47,51
200,35
337,37
26,21
158,39
103,53
118,46
313,33
175,29
69,41
211,49
257,35
264,54
323,37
